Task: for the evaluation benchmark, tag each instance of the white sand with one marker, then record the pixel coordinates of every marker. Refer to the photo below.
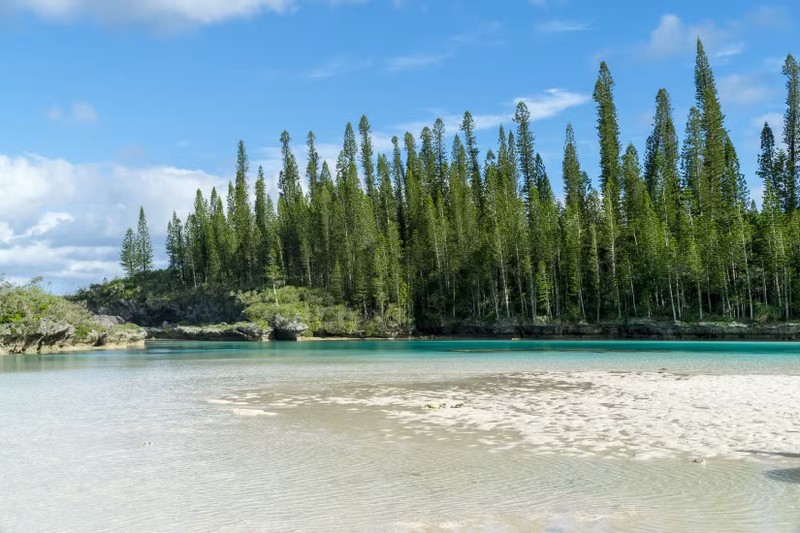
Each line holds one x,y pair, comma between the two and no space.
639,415
588,414
251,412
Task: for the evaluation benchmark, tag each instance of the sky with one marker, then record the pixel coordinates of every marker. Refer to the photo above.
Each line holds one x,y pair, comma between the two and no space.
108,106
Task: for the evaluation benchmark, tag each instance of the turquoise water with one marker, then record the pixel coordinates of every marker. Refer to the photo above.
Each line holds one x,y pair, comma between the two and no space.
403,436
684,356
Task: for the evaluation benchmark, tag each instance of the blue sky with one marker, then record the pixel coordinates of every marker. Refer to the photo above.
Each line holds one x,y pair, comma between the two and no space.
106,108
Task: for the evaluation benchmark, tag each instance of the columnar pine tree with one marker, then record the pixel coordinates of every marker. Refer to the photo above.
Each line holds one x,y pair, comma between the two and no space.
144,247
791,132
127,255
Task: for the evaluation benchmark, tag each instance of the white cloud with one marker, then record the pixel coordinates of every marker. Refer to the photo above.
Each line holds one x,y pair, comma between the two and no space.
6,233
552,102
775,121
542,106
730,50
64,221
417,61
672,36
339,67
49,221
562,26
159,12
743,89
78,113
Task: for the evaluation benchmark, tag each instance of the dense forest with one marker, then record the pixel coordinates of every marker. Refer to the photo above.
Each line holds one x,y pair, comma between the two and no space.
433,234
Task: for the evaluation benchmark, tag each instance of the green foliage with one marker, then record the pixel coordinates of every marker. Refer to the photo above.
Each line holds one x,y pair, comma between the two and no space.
144,248
136,253
127,255
320,313
24,308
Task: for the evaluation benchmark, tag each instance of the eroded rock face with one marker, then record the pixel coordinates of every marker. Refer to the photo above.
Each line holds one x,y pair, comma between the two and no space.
219,332
285,329
108,321
49,336
45,333
195,310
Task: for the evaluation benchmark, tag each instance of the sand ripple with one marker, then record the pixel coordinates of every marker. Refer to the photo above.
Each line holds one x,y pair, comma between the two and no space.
614,414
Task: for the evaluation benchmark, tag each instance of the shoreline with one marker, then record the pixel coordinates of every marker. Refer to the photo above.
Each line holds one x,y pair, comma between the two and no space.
638,331
54,350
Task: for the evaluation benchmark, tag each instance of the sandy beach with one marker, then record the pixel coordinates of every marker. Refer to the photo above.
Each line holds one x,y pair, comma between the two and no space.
636,415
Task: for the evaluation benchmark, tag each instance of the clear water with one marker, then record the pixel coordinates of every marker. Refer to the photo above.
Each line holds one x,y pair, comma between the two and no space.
336,436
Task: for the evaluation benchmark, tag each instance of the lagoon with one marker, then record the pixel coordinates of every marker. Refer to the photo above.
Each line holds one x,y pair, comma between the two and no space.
403,436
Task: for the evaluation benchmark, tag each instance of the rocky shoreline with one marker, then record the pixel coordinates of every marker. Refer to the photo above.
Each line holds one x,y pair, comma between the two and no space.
114,333
106,332
632,330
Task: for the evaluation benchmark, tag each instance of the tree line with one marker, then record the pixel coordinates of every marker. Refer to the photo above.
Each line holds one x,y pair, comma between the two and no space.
439,234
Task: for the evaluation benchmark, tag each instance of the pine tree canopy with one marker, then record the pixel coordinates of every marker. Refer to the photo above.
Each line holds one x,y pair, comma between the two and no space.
434,231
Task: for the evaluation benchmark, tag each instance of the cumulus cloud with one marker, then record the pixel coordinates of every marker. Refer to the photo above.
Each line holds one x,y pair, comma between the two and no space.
64,221
148,11
673,36
49,221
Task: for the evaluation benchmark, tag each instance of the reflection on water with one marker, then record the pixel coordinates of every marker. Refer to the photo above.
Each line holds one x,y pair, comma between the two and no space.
310,436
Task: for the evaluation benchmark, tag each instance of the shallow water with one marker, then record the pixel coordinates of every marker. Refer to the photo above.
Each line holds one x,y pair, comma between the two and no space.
399,436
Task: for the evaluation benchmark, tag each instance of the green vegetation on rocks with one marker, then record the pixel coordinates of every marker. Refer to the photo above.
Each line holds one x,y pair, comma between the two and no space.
33,320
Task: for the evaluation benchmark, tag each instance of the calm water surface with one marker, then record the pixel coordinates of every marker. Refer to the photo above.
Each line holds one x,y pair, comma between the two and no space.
279,437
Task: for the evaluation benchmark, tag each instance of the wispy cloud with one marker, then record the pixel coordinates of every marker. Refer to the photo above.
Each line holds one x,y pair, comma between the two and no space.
552,102
484,34
77,113
743,89
562,26
161,12
730,50
338,67
417,61
548,104
768,17
774,119
674,36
